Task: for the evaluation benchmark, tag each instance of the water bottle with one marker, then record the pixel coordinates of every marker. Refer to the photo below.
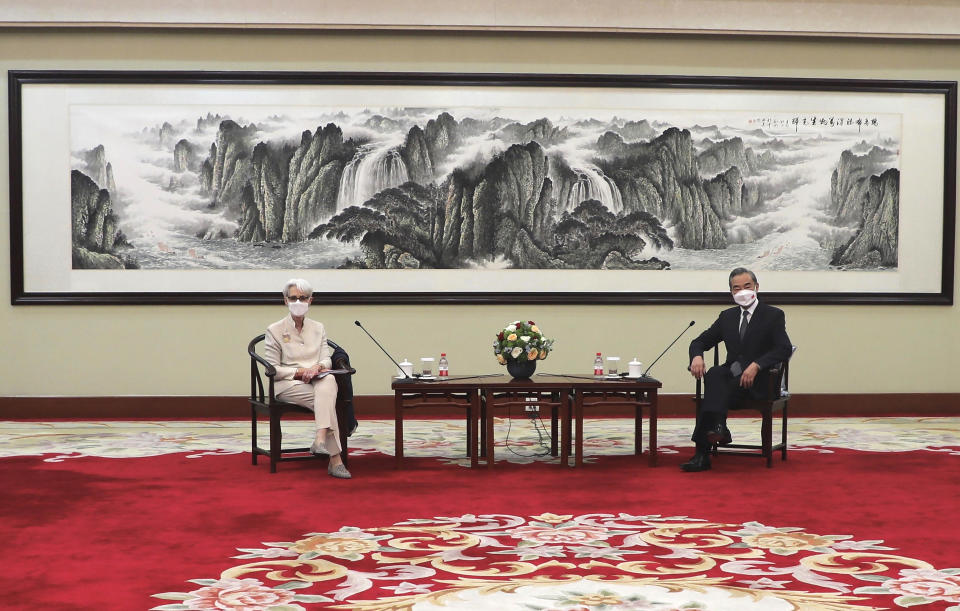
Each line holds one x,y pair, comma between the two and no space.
443,367
598,366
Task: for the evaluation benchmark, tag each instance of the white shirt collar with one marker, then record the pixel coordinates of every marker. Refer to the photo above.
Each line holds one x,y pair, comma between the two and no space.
752,308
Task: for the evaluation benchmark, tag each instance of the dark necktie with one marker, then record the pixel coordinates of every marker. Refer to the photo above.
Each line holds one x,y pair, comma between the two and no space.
743,324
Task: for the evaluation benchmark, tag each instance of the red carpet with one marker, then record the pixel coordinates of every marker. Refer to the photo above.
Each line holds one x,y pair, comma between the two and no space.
107,534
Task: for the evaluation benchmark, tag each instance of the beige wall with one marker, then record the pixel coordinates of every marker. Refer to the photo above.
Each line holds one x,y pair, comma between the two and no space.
199,350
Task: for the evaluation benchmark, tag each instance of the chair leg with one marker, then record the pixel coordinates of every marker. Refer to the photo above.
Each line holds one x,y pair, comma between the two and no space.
766,437
276,437
253,434
783,434
343,426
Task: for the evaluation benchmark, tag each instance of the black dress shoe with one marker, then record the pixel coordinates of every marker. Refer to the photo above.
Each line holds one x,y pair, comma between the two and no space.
699,462
727,438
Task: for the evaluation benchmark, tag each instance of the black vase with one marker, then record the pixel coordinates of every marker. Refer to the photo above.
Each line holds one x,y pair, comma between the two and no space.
521,369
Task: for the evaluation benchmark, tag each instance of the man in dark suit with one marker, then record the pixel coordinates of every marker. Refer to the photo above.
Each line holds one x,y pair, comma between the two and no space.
755,337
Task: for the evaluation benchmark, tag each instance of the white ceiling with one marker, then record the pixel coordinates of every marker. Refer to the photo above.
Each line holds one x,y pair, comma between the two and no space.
889,18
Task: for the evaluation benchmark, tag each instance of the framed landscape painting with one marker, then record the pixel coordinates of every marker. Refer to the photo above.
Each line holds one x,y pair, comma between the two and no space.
201,187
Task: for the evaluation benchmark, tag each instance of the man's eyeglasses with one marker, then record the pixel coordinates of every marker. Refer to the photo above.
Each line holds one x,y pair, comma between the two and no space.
298,297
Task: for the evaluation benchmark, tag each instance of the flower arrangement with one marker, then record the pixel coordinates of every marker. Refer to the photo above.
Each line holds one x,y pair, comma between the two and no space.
521,341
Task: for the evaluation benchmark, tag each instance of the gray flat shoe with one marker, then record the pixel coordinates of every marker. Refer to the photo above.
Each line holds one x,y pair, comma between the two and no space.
339,471
318,450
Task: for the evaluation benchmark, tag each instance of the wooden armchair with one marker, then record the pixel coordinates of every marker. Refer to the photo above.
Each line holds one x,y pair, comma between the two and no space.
263,402
778,399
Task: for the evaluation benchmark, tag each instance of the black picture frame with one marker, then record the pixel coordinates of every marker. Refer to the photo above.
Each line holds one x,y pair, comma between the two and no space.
22,80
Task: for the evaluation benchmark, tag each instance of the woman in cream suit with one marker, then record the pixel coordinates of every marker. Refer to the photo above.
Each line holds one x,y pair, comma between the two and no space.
297,347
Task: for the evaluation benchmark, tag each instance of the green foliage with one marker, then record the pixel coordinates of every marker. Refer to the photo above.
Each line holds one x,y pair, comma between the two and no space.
408,219
588,234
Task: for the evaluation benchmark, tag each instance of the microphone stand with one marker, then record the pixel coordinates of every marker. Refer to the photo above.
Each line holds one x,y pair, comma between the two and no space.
406,377
567,375
455,378
692,322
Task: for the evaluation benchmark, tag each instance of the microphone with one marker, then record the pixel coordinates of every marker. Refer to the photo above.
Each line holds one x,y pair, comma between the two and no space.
687,328
407,378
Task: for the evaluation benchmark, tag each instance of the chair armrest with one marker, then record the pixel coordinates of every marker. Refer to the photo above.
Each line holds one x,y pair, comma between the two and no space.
775,379
268,369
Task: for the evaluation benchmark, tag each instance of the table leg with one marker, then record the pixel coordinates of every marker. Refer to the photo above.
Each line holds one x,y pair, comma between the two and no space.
553,425
398,429
566,414
473,412
471,440
653,428
489,429
638,424
578,415
483,425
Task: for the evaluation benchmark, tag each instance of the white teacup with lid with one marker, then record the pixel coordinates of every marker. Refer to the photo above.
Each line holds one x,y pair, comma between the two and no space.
406,367
635,368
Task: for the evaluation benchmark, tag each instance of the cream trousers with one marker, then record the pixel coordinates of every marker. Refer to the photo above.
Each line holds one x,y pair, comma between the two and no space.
321,397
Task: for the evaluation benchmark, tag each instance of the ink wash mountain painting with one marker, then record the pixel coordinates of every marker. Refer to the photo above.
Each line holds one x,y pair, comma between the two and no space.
188,187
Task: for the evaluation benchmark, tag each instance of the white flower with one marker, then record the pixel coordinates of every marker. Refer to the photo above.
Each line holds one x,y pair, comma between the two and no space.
540,551
524,338
270,552
511,328
406,587
764,582
516,352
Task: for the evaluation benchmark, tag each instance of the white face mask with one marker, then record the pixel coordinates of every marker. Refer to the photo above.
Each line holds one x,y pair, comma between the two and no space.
745,297
298,308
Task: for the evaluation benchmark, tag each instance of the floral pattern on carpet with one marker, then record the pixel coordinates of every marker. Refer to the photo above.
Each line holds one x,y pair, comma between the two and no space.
587,562
517,440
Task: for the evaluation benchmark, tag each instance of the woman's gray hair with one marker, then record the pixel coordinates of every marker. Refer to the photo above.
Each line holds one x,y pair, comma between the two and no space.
302,285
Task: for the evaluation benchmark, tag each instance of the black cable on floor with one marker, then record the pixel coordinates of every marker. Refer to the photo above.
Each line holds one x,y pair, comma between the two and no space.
538,426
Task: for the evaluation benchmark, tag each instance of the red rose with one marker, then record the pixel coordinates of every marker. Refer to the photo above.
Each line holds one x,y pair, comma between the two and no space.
500,336
531,322
238,594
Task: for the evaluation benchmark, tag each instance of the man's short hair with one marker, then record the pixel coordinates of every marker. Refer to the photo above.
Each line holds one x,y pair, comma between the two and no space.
739,271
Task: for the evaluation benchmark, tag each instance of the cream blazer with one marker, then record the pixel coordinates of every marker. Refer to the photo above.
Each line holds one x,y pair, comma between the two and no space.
287,349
